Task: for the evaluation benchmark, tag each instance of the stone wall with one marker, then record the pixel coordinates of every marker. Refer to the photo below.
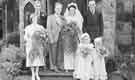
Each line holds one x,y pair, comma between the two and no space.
124,27
109,17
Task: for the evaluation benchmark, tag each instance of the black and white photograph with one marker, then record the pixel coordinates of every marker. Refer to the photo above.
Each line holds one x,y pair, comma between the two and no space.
67,39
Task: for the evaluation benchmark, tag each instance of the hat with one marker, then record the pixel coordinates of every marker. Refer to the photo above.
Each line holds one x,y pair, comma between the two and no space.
98,39
83,36
91,0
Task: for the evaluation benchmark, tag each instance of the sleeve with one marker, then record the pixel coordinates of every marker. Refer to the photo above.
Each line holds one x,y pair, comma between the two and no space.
26,35
49,28
84,23
101,23
80,20
78,50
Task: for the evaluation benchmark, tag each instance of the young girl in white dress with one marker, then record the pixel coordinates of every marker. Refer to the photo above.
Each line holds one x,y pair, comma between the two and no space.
84,59
99,62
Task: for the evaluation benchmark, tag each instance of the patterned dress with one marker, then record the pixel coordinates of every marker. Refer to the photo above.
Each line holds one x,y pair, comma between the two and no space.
34,45
68,41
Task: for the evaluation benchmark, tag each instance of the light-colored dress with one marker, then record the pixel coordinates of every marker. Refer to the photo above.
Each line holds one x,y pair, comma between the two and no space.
76,20
34,47
99,66
68,56
84,63
68,39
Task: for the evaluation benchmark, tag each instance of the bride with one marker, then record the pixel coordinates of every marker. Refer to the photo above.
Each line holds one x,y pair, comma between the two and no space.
71,33
72,14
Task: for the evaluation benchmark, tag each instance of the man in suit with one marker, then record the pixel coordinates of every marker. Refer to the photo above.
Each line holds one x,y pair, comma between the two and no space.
54,24
93,21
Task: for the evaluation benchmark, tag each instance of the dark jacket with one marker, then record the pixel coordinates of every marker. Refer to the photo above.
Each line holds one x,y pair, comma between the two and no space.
93,24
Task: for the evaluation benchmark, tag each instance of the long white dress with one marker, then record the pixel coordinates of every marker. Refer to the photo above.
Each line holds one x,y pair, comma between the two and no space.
99,66
84,65
69,58
39,60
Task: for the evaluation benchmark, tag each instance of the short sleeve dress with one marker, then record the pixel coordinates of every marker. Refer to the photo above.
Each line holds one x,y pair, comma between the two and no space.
34,46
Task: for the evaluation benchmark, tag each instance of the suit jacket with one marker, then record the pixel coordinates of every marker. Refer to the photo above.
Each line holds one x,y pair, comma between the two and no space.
93,22
53,28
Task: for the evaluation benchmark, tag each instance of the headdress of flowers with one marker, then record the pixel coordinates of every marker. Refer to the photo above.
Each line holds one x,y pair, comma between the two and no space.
74,4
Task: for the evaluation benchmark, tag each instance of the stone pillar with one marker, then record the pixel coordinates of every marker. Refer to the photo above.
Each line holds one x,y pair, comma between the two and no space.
4,19
109,18
21,23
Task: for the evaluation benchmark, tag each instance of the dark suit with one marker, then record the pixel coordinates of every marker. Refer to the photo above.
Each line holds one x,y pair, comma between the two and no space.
93,24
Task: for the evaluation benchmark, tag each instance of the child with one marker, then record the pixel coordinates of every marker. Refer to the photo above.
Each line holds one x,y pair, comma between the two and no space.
84,59
99,63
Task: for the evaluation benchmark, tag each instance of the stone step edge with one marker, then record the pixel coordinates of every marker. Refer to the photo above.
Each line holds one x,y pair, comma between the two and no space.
54,74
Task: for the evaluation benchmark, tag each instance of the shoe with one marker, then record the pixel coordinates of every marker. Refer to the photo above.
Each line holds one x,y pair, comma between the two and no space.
56,70
66,71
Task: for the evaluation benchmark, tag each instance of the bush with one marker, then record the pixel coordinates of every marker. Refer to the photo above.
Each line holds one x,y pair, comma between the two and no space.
13,38
11,60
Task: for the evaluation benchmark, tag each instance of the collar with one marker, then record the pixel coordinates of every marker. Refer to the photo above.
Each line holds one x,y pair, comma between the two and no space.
56,15
92,11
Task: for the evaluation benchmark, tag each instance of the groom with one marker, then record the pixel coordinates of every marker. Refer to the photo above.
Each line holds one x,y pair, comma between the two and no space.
93,21
54,24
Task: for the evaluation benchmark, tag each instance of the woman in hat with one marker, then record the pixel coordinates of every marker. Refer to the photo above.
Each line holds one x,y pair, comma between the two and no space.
35,36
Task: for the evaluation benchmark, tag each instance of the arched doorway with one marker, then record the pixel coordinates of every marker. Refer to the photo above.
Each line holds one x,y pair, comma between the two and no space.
28,10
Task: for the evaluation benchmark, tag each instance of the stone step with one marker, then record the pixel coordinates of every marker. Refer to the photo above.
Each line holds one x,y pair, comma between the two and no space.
56,76
48,75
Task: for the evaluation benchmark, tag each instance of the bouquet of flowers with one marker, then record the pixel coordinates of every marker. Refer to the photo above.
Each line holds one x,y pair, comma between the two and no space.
85,51
102,51
39,39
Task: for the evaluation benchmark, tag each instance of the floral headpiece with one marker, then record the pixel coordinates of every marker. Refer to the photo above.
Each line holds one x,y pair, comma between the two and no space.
72,4
98,39
84,35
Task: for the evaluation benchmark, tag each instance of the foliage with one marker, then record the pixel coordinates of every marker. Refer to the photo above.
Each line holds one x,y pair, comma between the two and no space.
11,60
13,38
114,63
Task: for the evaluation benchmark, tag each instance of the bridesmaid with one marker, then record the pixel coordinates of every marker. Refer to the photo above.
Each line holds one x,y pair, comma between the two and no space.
84,59
101,52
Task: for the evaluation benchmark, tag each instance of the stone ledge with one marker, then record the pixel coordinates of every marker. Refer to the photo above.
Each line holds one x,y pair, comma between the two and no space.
54,74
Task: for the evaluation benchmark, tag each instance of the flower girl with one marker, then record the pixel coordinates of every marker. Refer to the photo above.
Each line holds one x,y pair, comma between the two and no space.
99,62
84,59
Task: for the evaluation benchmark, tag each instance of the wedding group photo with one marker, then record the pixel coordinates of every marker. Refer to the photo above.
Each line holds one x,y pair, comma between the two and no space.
67,39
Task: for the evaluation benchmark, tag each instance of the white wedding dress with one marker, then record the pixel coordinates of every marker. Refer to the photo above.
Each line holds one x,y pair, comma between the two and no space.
69,58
